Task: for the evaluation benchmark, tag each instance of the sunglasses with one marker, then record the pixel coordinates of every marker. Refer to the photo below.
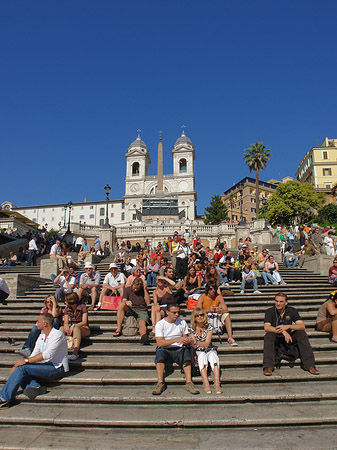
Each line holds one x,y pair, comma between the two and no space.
200,315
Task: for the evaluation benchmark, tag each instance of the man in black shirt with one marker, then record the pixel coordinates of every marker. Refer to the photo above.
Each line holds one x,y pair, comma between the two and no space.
283,324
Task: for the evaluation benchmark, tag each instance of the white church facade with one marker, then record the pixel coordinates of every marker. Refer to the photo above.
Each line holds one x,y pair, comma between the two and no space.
148,198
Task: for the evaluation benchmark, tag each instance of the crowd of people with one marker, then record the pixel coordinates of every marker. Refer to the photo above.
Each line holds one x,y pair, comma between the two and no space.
191,272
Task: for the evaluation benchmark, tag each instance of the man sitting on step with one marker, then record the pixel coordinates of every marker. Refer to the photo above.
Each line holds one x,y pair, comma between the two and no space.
113,284
48,361
89,284
285,329
135,301
172,336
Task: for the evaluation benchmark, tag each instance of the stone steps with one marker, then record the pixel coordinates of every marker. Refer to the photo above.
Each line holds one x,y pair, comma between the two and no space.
116,375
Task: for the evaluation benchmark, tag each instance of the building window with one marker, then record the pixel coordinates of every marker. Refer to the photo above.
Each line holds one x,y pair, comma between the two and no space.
43,219
123,216
91,207
327,185
111,214
101,211
34,219
253,210
72,217
43,210
101,222
52,219
82,208
235,217
253,200
325,155
182,165
91,216
123,205
327,172
135,169
82,217
134,216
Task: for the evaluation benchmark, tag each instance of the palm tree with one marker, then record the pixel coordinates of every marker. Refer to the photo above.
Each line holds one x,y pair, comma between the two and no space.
257,157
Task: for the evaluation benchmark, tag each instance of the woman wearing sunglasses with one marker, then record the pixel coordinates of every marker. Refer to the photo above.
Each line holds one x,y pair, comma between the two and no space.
201,332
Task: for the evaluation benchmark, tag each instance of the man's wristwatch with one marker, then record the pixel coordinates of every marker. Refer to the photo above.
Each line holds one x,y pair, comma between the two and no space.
26,360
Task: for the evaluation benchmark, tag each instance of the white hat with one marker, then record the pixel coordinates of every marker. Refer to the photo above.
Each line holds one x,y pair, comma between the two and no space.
113,266
88,265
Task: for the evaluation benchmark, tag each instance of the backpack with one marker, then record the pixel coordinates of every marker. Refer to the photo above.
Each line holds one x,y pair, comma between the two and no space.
215,321
130,327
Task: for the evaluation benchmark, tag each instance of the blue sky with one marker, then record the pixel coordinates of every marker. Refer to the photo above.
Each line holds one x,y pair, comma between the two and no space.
79,78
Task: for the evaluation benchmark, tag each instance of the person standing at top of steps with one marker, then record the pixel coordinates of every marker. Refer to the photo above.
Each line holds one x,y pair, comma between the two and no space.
284,327
49,361
172,337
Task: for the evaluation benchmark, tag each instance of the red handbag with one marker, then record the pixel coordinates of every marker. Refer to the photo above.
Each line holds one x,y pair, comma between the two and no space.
191,303
111,303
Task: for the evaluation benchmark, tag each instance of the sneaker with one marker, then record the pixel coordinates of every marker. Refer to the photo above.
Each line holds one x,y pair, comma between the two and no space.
145,339
33,392
224,285
23,352
73,357
231,341
257,292
91,308
158,389
151,335
4,403
242,292
191,388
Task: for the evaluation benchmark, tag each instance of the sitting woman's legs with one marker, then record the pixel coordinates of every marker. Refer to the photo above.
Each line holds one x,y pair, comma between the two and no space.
78,333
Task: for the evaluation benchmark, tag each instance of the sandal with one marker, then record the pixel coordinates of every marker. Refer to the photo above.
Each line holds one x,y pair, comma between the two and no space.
207,389
117,334
218,389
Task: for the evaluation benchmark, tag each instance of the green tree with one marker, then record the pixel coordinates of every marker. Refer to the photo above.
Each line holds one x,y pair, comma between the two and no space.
328,215
256,157
294,201
216,212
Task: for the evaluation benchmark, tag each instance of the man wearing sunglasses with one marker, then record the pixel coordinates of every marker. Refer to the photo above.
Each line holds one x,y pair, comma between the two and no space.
284,326
172,339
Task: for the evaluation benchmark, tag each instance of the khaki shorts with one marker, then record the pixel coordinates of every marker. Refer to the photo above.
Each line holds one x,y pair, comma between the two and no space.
325,325
139,314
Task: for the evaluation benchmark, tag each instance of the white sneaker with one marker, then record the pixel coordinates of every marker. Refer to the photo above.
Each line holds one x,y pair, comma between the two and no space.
257,292
73,357
242,292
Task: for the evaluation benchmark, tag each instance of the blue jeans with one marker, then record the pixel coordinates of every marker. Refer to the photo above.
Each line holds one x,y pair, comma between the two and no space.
243,284
223,277
35,333
197,291
292,263
268,276
151,278
25,376
31,258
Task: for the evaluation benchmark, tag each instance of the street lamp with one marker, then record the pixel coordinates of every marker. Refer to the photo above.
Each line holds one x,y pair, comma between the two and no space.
242,219
265,210
107,189
70,205
65,213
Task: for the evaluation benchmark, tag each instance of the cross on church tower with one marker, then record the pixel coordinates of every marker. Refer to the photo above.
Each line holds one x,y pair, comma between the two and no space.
138,131
183,128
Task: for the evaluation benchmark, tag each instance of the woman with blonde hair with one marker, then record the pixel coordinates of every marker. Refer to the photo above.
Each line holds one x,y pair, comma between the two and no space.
202,333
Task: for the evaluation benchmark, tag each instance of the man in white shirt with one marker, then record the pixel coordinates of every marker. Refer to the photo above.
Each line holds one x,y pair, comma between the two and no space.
56,252
172,337
4,291
78,243
32,251
49,360
67,283
113,283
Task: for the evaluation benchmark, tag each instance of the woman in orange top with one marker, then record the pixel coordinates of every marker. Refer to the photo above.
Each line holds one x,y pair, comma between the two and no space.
213,302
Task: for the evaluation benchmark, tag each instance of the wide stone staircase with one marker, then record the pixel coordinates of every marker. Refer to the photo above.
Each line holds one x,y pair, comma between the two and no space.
109,389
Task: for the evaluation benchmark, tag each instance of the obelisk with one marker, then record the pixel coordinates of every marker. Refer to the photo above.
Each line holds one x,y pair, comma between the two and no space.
160,186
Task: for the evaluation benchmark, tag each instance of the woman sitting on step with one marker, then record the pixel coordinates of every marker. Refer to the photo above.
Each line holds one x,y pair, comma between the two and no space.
202,333
162,296
75,322
50,306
